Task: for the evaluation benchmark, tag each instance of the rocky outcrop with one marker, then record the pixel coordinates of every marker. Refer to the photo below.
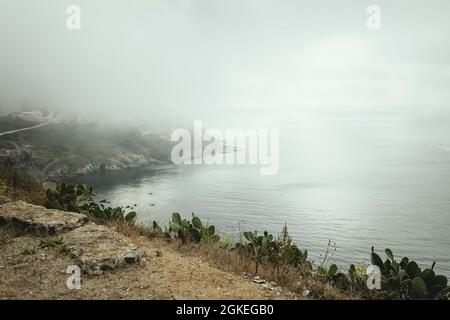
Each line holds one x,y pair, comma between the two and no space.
95,248
116,162
98,248
39,220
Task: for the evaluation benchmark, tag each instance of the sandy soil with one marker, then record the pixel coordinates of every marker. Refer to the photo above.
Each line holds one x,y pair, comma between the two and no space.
41,274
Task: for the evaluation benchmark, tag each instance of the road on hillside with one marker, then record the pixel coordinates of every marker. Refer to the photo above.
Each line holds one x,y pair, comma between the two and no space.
24,129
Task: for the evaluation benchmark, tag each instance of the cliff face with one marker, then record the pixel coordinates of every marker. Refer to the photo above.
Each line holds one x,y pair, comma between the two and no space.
60,150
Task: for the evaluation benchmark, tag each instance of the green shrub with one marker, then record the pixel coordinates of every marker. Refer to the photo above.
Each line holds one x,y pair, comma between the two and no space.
50,243
189,231
79,198
405,280
357,277
268,250
289,253
102,212
46,243
68,197
261,249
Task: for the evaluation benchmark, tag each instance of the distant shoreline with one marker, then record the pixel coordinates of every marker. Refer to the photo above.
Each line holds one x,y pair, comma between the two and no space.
131,172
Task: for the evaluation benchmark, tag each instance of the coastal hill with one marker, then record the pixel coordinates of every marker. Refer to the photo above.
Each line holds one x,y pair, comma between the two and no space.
52,147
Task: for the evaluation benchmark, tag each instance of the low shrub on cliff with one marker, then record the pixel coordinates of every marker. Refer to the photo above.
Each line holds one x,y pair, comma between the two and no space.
405,280
79,198
267,249
193,231
69,197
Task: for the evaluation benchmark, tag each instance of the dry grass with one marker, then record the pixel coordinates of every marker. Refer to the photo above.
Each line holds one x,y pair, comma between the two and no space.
128,229
6,236
214,253
293,279
18,186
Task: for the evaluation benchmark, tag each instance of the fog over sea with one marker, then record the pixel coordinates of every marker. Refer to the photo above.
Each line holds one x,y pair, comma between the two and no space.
357,178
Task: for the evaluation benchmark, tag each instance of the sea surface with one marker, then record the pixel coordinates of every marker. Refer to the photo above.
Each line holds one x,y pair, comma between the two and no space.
358,179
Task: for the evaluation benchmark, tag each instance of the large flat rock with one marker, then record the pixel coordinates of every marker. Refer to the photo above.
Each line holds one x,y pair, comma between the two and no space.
95,248
39,220
98,248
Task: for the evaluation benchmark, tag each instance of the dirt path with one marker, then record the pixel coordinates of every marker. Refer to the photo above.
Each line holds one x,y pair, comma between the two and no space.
24,129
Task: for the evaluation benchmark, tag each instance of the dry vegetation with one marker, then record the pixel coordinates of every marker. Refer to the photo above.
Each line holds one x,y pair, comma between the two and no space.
219,255
286,276
17,185
31,268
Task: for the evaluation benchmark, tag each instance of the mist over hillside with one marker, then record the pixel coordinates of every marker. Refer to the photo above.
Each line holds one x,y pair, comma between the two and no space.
51,148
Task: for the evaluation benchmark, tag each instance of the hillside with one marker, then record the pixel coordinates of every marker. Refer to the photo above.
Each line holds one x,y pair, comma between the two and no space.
34,259
63,149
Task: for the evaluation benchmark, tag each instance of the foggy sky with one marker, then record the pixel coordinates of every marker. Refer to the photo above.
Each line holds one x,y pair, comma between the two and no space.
191,58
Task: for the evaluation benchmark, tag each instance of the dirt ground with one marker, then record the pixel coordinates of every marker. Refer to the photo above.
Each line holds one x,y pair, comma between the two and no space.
30,272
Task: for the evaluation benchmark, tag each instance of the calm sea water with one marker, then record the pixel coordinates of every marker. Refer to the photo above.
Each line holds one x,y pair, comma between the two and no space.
358,180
